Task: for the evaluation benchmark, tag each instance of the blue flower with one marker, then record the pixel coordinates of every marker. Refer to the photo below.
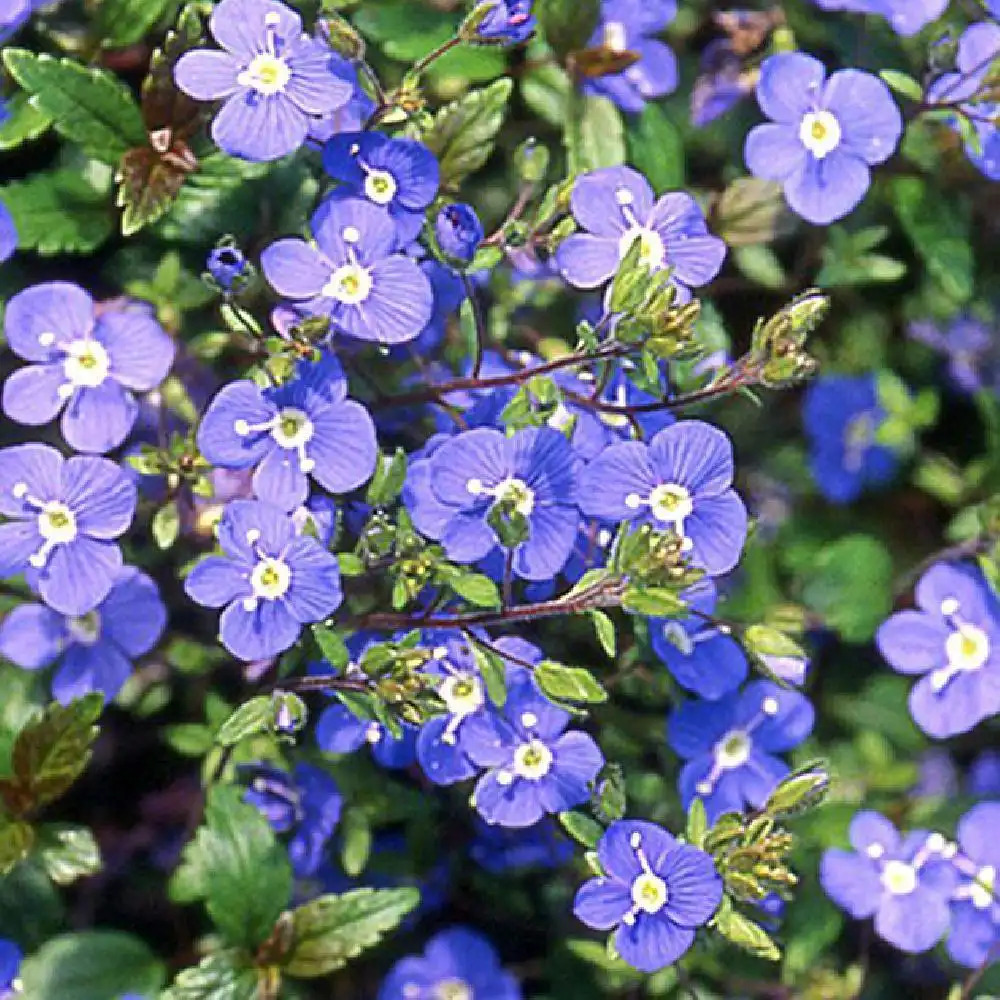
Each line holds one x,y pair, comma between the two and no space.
842,416
349,117
273,79
975,911
353,274
459,231
306,427
457,964
340,731
900,881
83,363
721,83
983,779
95,650
628,26
480,483
953,639
399,176
270,580
968,88
615,206
8,231
13,14
228,266
681,480
10,965
305,803
824,134
972,348
699,657
63,517
501,849
506,22
906,17
534,767
655,892
730,745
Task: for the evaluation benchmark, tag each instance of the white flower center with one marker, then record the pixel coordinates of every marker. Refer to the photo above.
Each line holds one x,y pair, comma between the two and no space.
86,629
266,73
820,133
652,252
981,892
350,284
380,186
57,526
899,878
462,693
270,579
86,365
532,760
649,893
512,491
733,750
452,989
967,649
293,428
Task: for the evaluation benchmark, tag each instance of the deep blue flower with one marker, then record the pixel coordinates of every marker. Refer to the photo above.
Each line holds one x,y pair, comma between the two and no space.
63,519
459,231
730,745
506,22
84,363
824,135
480,478
975,911
8,231
399,176
228,266
305,803
95,650
701,658
655,893
10,965
972,348
306,427
615,206
353,274
628,26
270,580
953,639
273,78
340,731
534,767
681,480
903,882
968,86
983,779
842,415
721,83
906,17
501,849
457,964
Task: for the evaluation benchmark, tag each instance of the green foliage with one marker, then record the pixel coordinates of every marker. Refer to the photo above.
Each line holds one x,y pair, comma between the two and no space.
219,976
237,867
331,930
568,24
87,106
23,123
68,852
656,148
573,684
595,134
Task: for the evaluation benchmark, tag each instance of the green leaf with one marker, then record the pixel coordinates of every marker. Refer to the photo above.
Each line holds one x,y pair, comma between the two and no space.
91,965
68,852
61,211
656,148
581,828
124,22
387,483
751,211
595,134
940,231
252,717
236,865
16,840
464,132
568,683
88,106
697,824
568,24
332,646
605,629
50,753
166,525
476,588
220,976
23,123
903,84
356,842
850,585
493,671
654,601
744,933
330,931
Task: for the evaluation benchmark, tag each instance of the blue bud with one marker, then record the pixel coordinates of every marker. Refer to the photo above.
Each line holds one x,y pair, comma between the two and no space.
459,231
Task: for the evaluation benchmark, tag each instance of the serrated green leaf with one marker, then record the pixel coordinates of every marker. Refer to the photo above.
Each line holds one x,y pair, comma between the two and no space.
745,934
328,932
23,123
581,828
237,866
252,717
16,840
50,753
88,106
91,965
464,132
68,852
564,683
61,211
220,976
